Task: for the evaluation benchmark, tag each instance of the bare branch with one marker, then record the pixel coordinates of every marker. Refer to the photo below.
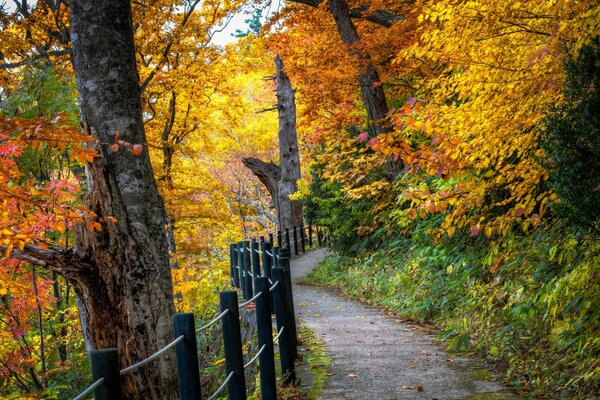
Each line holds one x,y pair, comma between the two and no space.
45,54
379,17
58,259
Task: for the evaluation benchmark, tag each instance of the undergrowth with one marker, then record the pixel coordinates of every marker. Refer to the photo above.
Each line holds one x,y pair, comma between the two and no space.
534,313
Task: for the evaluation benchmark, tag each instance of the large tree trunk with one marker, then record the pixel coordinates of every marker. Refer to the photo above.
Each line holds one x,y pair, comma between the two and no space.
282,180
372,91
290,211
126,293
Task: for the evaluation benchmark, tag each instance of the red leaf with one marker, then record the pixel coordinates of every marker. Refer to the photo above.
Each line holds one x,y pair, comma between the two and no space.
137,149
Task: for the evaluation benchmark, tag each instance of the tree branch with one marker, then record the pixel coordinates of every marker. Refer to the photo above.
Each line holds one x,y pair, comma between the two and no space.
379,17
45,54
58,259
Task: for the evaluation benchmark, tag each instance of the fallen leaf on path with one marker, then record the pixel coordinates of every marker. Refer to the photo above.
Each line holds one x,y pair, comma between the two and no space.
420,389
411,366
408,387
331,374
351,375
450,360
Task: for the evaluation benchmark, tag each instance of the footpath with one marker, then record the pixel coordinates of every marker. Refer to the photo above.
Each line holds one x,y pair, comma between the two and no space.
377,358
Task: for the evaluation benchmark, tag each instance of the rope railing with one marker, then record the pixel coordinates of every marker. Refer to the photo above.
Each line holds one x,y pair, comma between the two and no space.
256,296
90,389
137,365
214,321
274,285
263,347
220,389
276,338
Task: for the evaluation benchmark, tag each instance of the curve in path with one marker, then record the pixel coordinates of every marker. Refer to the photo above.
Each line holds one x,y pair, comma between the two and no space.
375,357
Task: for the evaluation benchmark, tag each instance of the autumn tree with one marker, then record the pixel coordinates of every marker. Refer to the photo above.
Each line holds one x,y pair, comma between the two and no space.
120,270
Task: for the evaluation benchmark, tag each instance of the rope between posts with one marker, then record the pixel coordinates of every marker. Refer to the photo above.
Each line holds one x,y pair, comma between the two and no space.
90,389
220,389
214,321
264,346
145,361
256,296
274,285
276,338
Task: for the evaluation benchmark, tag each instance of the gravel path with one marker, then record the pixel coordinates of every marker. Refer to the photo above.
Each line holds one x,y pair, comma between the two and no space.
376,358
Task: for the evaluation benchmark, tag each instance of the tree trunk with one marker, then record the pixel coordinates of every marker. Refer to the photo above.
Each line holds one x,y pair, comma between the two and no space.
282,180
379,17
268,173
290,211
371,90
126,292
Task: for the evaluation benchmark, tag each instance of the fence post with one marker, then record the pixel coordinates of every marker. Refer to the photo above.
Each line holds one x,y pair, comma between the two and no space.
310,234
303,239
255,259
284,262
105,363
279,239
319,237
186,352
265,337
276,251
286,352
287,239
267,265
235,272
271,238
248,292
232,343
295,236
242,269
267,262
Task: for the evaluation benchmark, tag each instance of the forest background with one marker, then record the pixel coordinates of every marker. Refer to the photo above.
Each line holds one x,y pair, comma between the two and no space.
475,203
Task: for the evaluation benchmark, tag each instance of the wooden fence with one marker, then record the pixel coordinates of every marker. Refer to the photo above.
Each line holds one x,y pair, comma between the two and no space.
261,271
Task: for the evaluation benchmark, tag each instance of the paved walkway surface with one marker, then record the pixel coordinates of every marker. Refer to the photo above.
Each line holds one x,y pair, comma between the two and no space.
376,358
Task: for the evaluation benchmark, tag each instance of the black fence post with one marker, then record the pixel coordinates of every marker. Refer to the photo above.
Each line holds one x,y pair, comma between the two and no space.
232,343
105,363
310,234
279,239
267,261
248,292
267,248
265,337
287,239
284,262
241,274
286,352
235,272
295,235
186,351
319,239
303,239
271,239
255,259
276,251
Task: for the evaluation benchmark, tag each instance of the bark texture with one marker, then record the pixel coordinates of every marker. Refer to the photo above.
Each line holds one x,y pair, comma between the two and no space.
282,180
290,214
125,292
372,92
268,173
